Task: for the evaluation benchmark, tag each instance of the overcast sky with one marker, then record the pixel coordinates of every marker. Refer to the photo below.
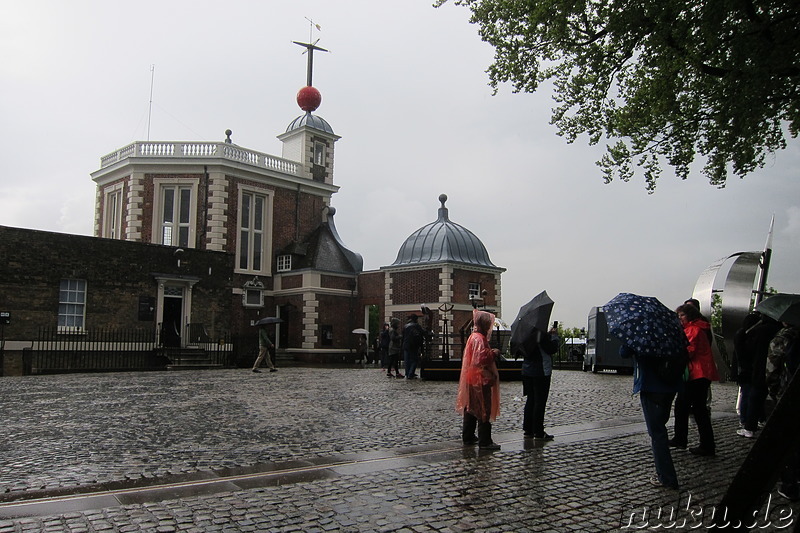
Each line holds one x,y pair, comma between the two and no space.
405,87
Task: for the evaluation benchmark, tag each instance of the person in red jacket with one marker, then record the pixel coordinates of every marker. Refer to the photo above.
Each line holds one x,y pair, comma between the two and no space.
702,371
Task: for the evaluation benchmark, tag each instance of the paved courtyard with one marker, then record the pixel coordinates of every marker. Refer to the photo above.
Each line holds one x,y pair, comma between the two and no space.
339,449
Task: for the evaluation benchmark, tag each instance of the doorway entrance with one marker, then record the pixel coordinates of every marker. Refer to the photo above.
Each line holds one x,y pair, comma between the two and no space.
172,321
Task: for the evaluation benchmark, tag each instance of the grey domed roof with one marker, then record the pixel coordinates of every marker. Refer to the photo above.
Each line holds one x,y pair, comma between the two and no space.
312,121
443,241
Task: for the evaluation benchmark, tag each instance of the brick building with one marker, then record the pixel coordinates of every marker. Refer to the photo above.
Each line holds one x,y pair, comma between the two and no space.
442,268
212,236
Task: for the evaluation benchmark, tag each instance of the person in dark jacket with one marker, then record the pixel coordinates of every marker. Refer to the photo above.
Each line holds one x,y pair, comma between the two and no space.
782,362
383,347
413,340
395,347
757,343
657,388
743,356
537,368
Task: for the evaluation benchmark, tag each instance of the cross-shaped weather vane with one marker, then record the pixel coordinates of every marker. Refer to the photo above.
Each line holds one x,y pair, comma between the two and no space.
310,47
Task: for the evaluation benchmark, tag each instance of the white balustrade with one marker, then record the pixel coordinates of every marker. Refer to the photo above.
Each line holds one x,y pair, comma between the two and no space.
200,150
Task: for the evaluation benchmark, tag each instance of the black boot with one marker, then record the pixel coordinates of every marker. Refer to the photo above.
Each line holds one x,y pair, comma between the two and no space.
485,437
468,430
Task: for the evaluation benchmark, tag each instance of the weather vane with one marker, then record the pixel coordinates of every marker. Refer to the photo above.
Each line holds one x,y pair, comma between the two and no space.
310,47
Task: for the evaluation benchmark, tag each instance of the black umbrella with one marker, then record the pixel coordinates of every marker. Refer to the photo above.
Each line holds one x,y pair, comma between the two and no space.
534,315
269,320
782,307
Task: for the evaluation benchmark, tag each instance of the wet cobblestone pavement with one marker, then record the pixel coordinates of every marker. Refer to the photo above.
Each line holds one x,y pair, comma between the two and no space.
335,449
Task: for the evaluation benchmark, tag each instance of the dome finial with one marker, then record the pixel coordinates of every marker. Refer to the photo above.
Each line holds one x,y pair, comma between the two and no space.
443,209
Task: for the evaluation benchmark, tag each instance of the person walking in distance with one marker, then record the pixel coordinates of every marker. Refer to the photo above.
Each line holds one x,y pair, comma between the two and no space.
265,349
393,351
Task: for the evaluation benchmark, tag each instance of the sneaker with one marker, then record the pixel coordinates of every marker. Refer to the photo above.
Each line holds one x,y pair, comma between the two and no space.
745,433
543,436
703,452
399,375
273,369
657,483
470,442
492,446
675,444
257,370
389,375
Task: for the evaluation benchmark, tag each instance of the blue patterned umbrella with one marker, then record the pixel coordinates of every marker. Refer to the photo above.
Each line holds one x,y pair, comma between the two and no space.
645,325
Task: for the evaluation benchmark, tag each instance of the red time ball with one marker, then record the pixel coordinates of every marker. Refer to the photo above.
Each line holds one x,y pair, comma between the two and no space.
308,98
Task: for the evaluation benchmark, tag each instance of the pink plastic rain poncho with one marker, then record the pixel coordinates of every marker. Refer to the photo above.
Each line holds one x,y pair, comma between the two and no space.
479,384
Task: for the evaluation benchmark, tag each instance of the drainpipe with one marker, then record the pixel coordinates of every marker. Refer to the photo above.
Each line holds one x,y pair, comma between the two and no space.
297,214
204,227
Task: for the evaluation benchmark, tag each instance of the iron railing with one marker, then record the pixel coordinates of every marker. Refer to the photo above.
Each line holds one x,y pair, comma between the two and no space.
121,349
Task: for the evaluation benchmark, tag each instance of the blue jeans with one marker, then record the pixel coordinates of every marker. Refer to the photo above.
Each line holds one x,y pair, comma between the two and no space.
410,359
656,407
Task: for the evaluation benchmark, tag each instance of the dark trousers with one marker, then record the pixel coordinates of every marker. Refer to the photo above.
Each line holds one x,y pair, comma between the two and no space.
744,391
755,406
411,358
484,426
393,361
789,476
692,400
656,407
537,389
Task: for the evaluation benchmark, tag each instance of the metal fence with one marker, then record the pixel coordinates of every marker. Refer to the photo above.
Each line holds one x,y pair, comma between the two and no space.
443,347
118,349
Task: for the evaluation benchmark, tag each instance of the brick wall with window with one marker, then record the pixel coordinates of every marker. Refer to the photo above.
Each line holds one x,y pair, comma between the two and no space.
34,263
461,285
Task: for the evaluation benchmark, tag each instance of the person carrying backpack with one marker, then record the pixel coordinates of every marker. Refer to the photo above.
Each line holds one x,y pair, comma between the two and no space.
782,362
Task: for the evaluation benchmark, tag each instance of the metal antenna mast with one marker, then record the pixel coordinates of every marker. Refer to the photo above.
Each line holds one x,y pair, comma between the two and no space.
150,109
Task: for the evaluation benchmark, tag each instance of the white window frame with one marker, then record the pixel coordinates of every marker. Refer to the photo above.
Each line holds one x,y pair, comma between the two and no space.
253,294
265,233
474,290
253,298
284,263
72,305
113,207
320,155
160,185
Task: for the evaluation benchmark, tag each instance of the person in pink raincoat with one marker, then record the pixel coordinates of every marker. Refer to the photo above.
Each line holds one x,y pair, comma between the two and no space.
479,385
